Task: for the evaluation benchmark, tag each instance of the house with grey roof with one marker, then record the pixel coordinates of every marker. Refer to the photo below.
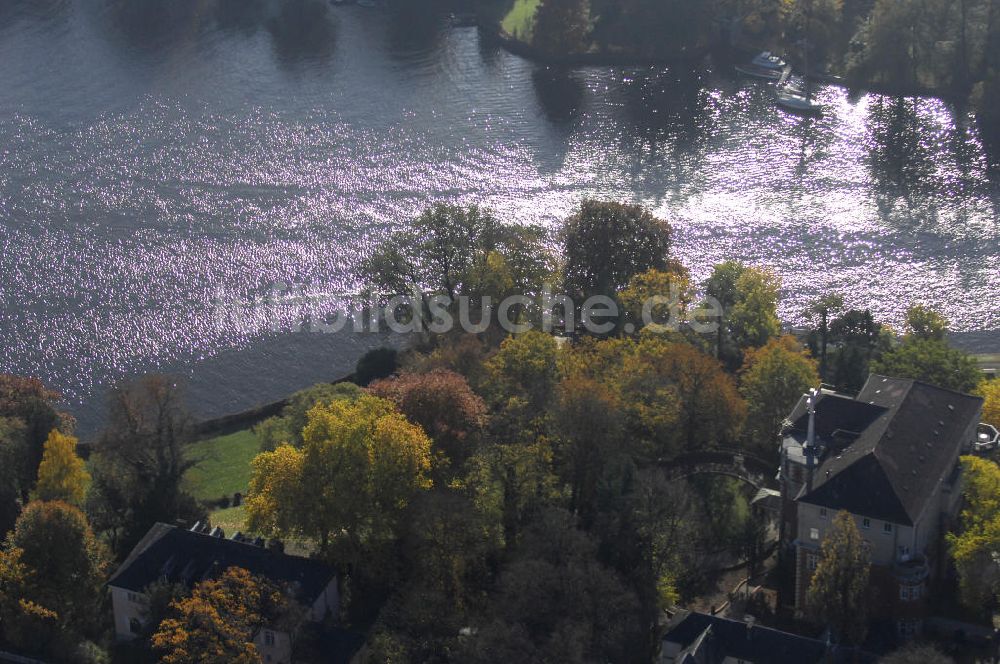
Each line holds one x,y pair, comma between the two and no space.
186,556
699,638
890,457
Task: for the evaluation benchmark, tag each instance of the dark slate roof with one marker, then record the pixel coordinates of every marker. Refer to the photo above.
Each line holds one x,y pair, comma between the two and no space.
835,413
891,469
178,555
709,639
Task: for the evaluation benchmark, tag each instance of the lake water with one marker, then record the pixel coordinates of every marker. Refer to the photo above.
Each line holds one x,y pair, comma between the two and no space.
158,156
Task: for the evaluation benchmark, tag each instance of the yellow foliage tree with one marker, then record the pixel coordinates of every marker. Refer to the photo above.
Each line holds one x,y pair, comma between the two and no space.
360,464
218,622
975,549
989,390
62,474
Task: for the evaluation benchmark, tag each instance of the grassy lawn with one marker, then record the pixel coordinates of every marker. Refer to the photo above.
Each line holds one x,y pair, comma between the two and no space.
520,21
224,466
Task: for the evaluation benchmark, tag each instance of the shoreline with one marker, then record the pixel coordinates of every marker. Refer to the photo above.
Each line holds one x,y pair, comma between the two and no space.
496,35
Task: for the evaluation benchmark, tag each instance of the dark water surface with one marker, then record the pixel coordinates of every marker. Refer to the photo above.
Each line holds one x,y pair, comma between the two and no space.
157,156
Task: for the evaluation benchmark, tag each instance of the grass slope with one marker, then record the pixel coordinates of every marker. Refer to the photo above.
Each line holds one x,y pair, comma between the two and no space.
223,465
520,20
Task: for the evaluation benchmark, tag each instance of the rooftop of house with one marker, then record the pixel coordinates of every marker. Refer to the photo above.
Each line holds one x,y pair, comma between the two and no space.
177,555
706,639
883,453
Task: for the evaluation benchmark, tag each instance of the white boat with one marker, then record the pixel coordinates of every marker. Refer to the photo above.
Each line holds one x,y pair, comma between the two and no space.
765,65
796,102
768,60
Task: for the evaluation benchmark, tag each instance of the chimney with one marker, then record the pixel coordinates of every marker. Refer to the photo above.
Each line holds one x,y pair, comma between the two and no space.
809,449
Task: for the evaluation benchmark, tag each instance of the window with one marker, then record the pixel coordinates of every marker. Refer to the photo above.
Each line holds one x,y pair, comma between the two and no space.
887,527
268,638
866,523
134,625
822,512
131,597
814,533
812,561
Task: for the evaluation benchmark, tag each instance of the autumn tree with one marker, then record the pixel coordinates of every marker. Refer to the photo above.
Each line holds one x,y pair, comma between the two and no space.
444,405
975,548
989,390
141,457
52,572
838,590
220,619
62,474
606,244
661,296
28,401
772,380
924,355
359,465
287,427
677,397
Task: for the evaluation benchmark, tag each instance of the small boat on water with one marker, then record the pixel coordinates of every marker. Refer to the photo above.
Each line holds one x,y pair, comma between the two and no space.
795,101
765,65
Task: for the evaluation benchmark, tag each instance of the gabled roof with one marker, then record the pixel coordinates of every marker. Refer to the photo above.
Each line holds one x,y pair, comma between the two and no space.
177,555
913,436
706,639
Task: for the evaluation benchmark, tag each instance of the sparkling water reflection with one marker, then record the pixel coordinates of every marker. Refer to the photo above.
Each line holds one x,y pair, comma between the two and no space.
155,154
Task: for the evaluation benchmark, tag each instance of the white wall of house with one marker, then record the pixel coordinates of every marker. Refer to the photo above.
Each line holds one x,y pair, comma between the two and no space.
327,602
884,544
274,646
127,607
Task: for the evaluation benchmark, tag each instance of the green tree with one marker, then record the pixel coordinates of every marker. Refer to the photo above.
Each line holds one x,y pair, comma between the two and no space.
931,361
359,465
220,619
838,589
62,474
606,244
588,431
748,298
562,27
822,311
556,603
447,250
520,382
772,380
925,323
12,454
975,548
287,428
52,571
858,339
